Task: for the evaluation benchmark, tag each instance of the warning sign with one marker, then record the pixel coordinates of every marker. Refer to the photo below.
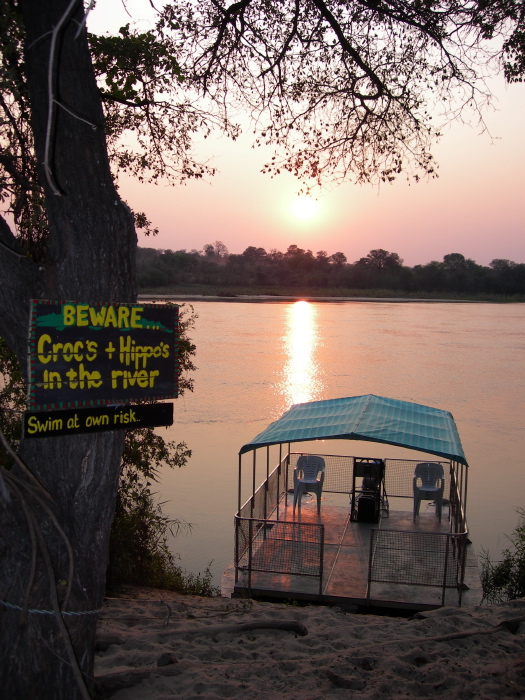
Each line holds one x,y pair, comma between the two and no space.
91,354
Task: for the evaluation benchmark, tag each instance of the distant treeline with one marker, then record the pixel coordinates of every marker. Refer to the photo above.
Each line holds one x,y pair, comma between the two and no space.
214,267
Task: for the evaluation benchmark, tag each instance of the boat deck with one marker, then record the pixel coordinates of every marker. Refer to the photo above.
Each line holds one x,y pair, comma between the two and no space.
346,563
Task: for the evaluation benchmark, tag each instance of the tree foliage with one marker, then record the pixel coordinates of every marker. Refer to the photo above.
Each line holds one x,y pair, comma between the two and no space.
150,121
380,259
514,46
12,400
343,88
505,580
139,553
256,269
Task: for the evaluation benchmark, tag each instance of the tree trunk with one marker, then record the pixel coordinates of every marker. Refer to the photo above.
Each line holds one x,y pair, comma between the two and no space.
91,258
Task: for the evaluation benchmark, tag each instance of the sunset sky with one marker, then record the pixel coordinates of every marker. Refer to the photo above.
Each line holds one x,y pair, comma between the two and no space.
476,207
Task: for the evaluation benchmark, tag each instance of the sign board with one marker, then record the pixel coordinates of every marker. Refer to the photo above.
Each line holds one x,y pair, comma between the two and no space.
94,354
90,420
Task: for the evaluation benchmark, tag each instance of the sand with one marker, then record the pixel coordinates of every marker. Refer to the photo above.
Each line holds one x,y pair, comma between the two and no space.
156,644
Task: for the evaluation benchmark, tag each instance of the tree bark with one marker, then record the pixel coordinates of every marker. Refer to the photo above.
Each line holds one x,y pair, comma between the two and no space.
91,258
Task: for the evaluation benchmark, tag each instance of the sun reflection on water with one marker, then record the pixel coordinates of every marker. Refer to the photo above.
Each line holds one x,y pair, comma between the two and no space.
301,381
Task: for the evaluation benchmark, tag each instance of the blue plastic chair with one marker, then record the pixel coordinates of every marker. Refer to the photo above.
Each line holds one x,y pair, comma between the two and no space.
429,485
308,477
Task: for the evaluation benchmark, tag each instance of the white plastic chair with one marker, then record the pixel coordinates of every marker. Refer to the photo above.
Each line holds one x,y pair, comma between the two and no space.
308,477
429,485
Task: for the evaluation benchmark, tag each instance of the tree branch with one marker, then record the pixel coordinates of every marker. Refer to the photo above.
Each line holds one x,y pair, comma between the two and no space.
348,48
228,14
107,97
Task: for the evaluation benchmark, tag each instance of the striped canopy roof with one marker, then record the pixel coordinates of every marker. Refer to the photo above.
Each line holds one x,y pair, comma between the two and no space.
372,418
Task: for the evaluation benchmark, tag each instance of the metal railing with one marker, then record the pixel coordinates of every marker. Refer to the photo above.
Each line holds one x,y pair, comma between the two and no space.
424,558
279,547
431,559
266,543
399,475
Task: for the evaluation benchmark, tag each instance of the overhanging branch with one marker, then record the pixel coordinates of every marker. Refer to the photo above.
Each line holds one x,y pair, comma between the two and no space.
349,49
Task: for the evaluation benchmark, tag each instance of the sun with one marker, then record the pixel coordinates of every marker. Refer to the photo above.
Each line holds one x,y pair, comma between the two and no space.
304,207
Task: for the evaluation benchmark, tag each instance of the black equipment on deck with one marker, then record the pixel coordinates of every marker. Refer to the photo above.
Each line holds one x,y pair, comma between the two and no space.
369,497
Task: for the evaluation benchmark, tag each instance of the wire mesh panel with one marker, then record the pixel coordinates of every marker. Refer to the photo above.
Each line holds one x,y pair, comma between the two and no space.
280,547
338,472
417,558
457,513
399,474
264,501
399,477
242,538
276,489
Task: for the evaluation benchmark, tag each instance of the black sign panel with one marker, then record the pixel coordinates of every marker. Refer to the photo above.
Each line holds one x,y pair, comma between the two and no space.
92,354
91,420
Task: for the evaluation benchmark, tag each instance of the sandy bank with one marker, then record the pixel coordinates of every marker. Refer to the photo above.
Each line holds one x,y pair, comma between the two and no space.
155,644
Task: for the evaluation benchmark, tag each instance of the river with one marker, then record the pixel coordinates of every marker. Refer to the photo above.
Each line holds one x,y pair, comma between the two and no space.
257,359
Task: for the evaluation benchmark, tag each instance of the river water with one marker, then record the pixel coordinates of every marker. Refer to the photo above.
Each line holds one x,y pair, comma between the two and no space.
257,359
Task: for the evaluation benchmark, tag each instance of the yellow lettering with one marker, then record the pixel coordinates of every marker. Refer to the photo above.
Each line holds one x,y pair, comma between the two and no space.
44,359
50,378
68,314
85,315
125,344
79,345
50,424
111,318
72,375
92,350
125,417
56,349
123,317
68,352
136,312
142,378
115,374
73,422
97,420
92,379
97,318
82,315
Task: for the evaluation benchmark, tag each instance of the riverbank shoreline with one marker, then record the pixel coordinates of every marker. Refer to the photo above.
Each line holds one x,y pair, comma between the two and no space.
270,298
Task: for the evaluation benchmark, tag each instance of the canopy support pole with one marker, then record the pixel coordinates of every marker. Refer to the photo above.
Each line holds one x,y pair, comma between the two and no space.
239,486
279,475
253,481
465,496
266,482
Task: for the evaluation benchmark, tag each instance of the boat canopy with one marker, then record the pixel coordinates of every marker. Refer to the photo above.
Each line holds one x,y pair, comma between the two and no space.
371,418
